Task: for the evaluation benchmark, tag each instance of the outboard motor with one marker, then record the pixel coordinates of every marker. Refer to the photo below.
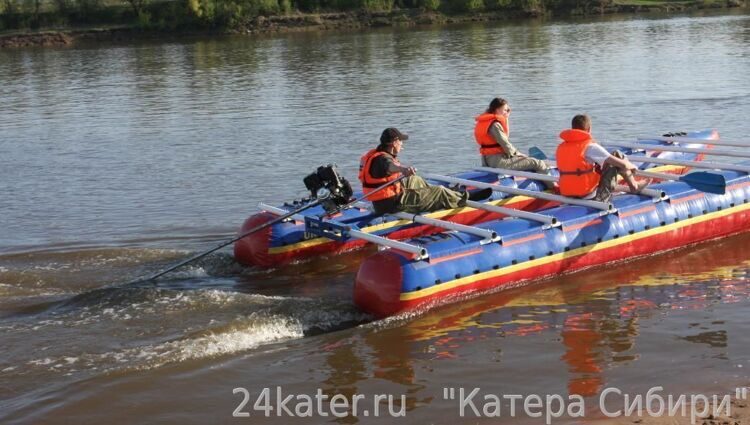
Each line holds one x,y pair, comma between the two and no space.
326,184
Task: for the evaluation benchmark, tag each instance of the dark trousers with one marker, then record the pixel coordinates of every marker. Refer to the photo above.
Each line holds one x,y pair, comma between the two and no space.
608,180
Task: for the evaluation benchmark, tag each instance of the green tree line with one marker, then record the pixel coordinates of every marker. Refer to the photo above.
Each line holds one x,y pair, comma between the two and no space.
232,14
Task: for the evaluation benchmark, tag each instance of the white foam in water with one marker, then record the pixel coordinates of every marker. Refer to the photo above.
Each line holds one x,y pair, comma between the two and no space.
276,319
187,273
258,332
275,329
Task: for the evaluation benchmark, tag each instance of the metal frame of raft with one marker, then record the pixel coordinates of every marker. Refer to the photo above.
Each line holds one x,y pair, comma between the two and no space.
259,249
333,230
391,282
341,232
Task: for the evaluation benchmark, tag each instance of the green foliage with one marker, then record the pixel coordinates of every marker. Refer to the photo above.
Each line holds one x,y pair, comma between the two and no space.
143,20
227,14
464,6
530,6
432,5
498,4
377,5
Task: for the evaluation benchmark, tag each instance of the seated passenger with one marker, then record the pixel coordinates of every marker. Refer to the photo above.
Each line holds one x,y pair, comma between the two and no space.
492,133
412,194
587,170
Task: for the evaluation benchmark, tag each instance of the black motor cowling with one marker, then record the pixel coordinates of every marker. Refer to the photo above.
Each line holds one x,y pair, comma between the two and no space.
326,177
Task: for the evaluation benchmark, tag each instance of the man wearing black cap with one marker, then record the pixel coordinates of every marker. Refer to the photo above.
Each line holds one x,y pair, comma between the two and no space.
412,194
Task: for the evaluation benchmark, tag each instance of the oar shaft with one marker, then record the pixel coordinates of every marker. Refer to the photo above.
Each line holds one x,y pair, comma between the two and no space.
659,148
717,142
525,174
546,177
695,164
521,192
660,176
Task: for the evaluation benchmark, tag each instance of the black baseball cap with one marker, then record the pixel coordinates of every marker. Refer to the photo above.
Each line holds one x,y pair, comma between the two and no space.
390,134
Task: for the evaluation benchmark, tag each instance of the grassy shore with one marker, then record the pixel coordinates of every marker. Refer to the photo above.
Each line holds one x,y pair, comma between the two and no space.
63,22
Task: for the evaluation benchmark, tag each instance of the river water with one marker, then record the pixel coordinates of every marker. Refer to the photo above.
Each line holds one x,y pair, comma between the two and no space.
119,160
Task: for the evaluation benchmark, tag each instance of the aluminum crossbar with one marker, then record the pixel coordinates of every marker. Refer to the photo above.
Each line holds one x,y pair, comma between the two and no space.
678,139
419,251
546,219
719,152
488,235
603,206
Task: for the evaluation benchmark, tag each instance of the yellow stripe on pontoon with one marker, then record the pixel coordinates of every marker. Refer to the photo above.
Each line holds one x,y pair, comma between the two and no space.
572,253
438,214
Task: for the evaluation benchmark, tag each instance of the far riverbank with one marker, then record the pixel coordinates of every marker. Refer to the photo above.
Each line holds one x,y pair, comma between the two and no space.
350,20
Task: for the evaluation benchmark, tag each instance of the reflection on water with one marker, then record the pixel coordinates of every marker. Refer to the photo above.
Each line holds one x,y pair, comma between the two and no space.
594,317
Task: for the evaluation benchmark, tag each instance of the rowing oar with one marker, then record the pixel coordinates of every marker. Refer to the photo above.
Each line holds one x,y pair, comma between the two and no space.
672,148
699,180
322,195
656,194
679,139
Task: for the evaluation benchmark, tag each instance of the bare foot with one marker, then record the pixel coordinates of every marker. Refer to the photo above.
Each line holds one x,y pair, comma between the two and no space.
642,185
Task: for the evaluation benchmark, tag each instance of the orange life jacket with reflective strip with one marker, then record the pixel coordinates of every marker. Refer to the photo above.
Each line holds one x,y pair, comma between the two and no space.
578,177
370,183
487,144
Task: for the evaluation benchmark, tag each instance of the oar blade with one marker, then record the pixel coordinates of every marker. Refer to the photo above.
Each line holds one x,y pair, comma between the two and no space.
706,182
537,153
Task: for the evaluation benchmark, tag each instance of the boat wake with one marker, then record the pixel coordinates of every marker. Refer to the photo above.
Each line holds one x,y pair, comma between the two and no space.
144,328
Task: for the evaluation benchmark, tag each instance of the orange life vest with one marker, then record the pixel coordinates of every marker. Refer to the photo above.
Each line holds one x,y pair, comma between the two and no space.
370,183
487,144
578,177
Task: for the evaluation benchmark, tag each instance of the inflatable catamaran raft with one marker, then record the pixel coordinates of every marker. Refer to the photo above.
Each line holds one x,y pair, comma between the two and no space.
522,194
697,207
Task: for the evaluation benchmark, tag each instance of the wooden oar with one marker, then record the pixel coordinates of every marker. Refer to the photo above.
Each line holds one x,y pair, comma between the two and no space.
672,148
678,139
703,181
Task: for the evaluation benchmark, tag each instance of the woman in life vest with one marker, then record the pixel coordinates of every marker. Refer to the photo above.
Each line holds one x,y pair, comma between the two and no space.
492,134
587,170
380,166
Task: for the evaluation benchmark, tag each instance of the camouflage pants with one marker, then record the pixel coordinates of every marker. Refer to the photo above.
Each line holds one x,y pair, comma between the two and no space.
608,180
421,197
517,163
